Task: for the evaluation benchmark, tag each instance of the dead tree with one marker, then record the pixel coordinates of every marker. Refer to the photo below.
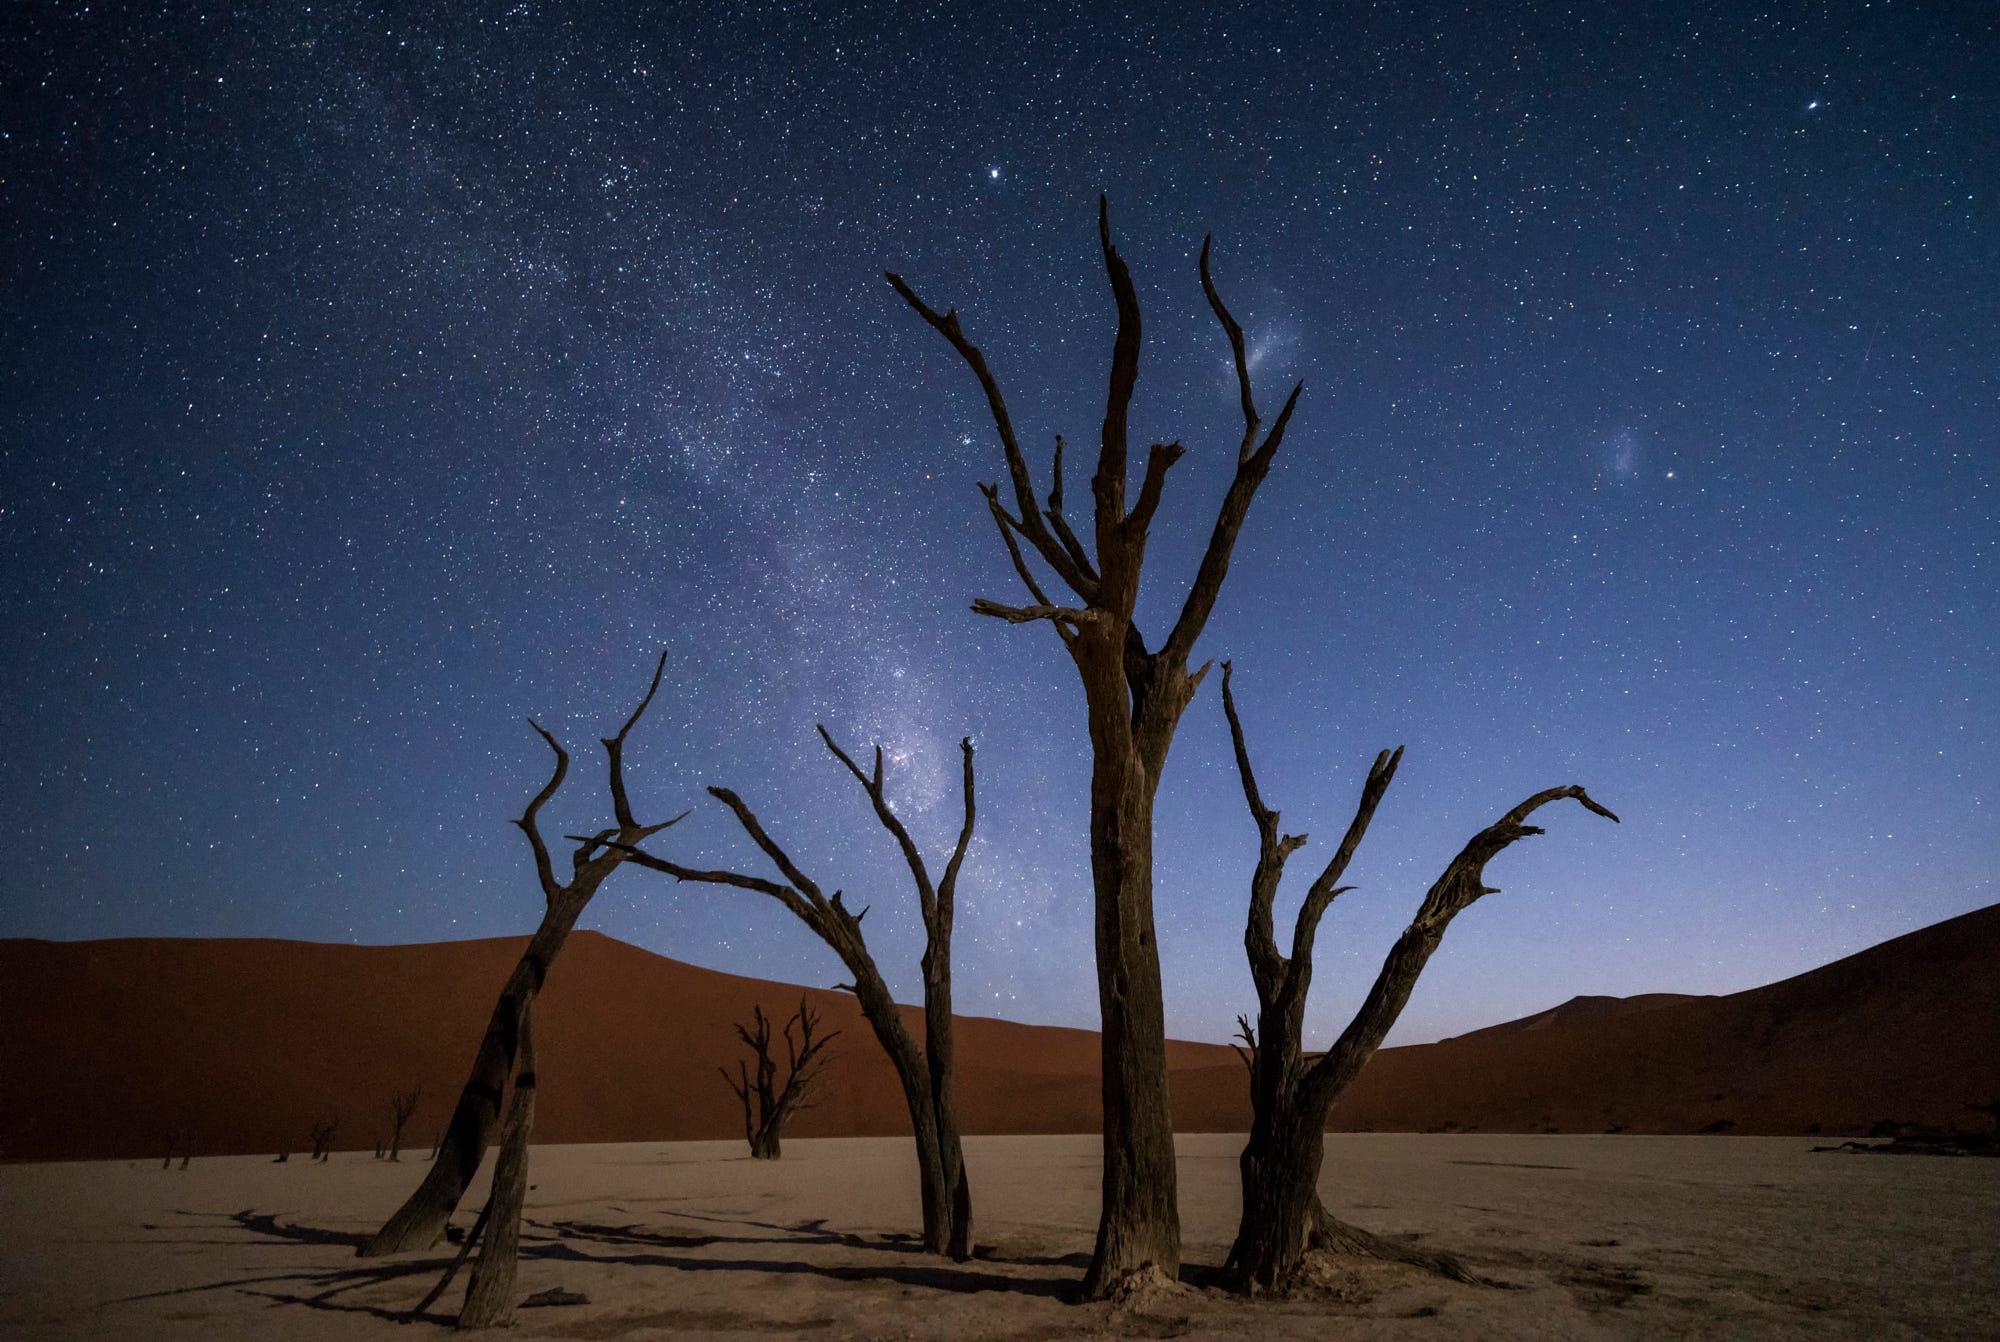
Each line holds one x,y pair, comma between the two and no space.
1134,695
489,1297
322,1136
421,1219
1291,1091
401,1105
768,1102
928,1074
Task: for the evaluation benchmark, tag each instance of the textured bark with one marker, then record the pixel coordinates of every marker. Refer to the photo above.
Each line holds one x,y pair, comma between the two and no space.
1282,1218
1134,698
769,1101
421,1219
925,1075
489,1297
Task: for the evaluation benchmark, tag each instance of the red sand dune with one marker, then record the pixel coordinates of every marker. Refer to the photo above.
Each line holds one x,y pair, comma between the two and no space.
114,1045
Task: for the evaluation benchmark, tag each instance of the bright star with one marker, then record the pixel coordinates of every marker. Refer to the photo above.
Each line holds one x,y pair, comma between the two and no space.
993,173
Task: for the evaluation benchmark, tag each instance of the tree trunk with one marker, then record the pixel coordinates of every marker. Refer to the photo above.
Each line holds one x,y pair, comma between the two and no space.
489,1298
421,1219
938,1052
934,1188
1280,1175
1139,1225
764,1144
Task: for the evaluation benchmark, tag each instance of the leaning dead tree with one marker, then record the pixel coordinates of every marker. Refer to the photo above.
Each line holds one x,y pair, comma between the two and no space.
489,1297
401,1105
1134,695
421,1219
927,1074
768,1101
1290,1092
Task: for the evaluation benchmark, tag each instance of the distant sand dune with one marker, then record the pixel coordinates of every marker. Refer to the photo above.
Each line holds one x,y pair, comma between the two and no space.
113,1045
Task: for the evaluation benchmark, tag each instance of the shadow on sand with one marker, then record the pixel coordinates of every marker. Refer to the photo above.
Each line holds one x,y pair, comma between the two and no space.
331,1288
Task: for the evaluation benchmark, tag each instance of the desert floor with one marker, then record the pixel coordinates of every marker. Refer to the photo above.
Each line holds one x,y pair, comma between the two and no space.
1596,1236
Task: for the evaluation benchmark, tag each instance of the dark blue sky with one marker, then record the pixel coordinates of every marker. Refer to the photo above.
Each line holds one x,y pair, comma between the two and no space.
375,377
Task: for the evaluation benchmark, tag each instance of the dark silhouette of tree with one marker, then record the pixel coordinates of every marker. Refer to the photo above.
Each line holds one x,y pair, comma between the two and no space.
489,1296
421,1219
401,1105
322,1136
927,1075
1291,1091
768,1101
1134,695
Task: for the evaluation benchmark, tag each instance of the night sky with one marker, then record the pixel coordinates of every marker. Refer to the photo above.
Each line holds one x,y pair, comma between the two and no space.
376,377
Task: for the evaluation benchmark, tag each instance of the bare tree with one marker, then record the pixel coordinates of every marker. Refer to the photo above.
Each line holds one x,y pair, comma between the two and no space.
179,1141
927,1074
421,1219
401,1105
489,1297
1291,1091
767,1101
1134,696
322,1136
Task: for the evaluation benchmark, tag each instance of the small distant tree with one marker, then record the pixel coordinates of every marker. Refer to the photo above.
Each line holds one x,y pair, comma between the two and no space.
322,1136
401,1105
179,1139
1290,1090
767,1101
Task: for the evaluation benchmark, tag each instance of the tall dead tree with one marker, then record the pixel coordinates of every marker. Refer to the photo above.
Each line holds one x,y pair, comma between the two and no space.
421,1219
768,1102
401,1105
927,1074
1134,695
1290,1093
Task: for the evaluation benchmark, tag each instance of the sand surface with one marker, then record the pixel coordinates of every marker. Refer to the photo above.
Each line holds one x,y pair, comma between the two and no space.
1605,1236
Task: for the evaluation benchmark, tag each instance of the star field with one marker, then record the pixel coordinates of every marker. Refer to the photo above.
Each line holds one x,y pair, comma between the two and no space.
377,376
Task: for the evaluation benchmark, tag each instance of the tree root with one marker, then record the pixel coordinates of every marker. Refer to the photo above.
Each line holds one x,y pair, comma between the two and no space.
1334,1236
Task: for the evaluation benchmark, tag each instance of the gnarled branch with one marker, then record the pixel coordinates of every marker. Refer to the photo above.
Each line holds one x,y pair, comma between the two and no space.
1051,550
1462,883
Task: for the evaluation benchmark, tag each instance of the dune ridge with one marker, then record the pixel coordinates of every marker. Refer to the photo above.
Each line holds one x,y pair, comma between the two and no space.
118,1046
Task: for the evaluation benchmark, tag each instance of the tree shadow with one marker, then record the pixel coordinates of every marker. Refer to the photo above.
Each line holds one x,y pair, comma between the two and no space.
330,1288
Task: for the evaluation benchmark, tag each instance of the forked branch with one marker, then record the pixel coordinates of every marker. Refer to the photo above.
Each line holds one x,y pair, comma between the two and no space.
1462,884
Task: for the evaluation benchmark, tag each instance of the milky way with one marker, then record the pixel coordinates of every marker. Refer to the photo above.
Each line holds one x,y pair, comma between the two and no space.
377,377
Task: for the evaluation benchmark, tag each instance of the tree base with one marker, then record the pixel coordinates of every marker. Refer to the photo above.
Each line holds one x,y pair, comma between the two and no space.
1336,1237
